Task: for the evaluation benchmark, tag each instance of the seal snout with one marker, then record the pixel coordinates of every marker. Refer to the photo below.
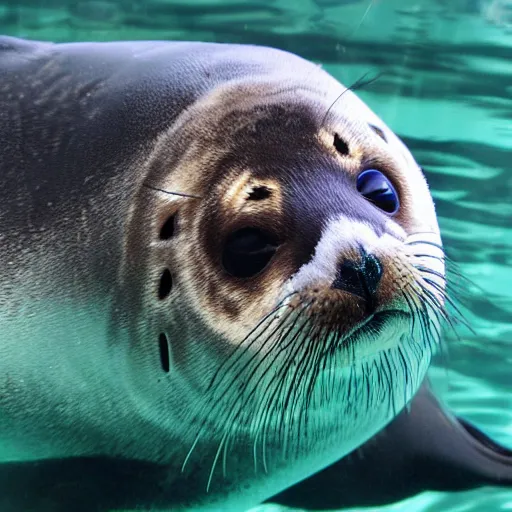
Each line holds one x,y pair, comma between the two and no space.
353,288
360,278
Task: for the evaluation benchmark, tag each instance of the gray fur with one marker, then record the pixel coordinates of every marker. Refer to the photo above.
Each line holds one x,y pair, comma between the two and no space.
82,393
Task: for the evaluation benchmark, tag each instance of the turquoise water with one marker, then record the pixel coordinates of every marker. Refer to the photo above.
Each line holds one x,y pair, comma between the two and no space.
444,85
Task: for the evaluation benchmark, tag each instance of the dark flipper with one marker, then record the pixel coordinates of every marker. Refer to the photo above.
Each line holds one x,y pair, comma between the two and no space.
426,449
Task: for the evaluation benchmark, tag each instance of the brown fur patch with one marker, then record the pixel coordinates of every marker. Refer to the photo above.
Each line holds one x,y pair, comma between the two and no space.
238,140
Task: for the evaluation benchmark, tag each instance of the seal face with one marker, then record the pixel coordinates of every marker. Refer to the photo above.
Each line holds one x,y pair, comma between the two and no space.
268,282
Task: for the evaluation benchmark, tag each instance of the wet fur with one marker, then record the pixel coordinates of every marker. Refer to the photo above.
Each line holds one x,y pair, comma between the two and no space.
92,135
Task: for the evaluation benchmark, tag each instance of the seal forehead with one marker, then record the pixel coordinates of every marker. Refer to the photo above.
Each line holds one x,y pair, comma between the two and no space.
369,143
325,113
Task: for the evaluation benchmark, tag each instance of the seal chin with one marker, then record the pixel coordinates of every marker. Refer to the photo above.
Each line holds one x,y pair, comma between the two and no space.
380,331
351,326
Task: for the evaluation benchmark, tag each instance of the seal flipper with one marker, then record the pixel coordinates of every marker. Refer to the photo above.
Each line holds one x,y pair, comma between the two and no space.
427,448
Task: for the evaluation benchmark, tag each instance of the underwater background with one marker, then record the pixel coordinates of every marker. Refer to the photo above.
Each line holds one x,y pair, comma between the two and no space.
443,82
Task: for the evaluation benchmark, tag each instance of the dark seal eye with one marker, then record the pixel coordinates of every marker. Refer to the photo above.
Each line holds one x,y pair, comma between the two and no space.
373,185
248,251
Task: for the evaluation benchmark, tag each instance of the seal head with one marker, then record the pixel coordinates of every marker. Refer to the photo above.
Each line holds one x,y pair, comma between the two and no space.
236,269
309,259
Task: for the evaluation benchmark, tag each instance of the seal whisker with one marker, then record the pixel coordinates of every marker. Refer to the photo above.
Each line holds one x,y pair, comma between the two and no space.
413,310
452,265
189,453
303,381
457,292
459,317
221,401
297,387
326,345
358,84
180,194
426,242
301,367
273,402
265,409
433,272
269,319
404,367
441,290
294,386
325,356
271,315
414,299
235,407
433,256
421,314
269,402
256,355
430,300
451,288
215,460
431,339
225,459
433,326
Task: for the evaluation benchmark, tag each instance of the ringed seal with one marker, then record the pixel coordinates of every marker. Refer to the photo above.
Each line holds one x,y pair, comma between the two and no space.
217,262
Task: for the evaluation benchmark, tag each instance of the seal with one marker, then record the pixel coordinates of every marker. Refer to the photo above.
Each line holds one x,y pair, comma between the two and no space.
217,260
425,448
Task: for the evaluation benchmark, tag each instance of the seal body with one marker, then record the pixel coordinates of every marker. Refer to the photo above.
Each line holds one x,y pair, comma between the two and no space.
425,447
197,275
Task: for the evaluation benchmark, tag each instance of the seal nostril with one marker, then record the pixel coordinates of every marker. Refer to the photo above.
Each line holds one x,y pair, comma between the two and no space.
340,145
349,279
167,230
165,286
372,272
259,193
361,279
164,352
